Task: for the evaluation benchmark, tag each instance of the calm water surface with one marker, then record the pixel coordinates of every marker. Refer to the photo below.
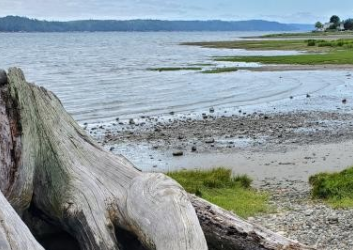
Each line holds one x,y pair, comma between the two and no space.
102,76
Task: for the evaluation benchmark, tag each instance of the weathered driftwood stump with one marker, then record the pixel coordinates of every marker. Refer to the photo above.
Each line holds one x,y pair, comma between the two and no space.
59,180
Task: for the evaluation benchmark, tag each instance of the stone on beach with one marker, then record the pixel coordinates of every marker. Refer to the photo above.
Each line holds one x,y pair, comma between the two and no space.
209,140
178,153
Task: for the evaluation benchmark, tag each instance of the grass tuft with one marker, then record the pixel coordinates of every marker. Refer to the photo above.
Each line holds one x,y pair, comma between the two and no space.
334,188
219,187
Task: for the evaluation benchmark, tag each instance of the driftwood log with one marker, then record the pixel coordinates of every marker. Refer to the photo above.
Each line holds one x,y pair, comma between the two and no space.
61,189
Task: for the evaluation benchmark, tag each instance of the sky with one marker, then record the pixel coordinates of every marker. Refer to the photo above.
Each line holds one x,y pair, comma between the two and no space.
287,11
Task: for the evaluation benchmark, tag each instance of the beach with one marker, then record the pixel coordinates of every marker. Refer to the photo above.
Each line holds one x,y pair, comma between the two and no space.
279,151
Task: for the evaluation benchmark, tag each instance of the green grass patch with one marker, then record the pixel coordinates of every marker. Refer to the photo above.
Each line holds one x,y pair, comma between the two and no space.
220,70
334,58
258,45
336,52
219,187
319,51
309,34
174,69
334,188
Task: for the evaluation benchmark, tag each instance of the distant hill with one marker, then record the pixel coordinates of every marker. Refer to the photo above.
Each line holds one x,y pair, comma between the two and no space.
23,24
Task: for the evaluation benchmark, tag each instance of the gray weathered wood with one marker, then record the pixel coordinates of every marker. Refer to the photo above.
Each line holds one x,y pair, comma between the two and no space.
48,163
86,190
14,234
226,231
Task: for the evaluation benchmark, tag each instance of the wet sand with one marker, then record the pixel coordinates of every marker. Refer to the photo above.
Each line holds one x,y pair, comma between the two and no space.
291,163
282,146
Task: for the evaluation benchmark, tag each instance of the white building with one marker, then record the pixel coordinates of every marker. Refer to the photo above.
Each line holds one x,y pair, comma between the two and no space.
341,27
327,26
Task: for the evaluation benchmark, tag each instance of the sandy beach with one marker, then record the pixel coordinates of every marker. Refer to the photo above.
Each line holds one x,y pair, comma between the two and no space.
280,151
279,145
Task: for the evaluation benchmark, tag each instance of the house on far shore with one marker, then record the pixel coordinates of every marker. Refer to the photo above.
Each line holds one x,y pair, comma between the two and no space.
341,27
328,26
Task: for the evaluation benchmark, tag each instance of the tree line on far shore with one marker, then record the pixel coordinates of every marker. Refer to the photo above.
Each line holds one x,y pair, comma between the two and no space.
23,24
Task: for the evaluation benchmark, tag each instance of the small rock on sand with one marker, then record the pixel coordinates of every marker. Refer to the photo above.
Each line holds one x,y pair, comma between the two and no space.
178,153
210,140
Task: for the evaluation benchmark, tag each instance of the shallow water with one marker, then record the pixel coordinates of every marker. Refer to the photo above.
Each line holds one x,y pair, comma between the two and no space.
102,76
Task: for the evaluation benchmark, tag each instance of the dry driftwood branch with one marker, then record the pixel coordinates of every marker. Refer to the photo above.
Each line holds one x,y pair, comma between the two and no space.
225,230
56,175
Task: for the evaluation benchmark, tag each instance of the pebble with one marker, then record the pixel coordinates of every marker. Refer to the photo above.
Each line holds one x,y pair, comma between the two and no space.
210,140
299,218
178,153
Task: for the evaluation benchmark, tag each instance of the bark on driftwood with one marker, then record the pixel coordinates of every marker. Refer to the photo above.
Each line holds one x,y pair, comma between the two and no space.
54,174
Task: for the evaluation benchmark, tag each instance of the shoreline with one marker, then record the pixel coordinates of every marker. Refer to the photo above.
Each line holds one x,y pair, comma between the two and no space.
279,151
257,144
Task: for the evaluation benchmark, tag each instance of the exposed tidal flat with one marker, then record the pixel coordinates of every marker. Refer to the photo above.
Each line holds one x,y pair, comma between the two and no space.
279,125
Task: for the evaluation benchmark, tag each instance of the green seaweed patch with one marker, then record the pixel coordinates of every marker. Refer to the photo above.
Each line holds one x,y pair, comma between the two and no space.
218,186
202,64
174,69
220,70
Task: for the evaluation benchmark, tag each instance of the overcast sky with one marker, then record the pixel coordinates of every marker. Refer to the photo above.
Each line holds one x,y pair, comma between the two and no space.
289,11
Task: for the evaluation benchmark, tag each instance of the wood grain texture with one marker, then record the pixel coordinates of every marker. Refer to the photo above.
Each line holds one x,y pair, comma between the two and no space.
88,191
14,234
48,164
